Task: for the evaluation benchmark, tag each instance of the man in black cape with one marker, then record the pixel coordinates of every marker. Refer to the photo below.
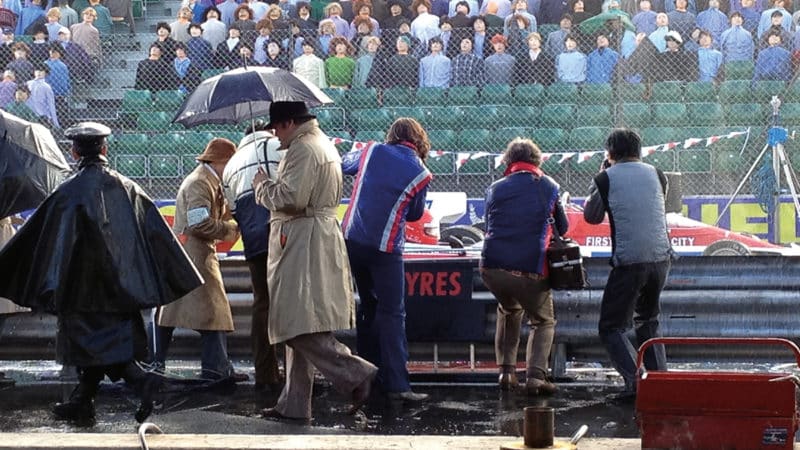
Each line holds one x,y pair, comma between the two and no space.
96,253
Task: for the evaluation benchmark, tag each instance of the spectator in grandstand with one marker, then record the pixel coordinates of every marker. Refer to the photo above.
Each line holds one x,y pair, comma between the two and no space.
552,11
776,27
692,44
364,13
481,40
155,73
675,64
620,39
709,60
310,66
380,10
713,20
102,21
363,33
288,8
122,11
397,13
244,20
571,65
227,10
8,87
340,66
245,58
758,5
276,57
87,36
469,8
81,67
30,16
751,16
20,107
39,46
466,68
555,40
514,267
333,12
228,51
14,5
304,19
400,69
439,8
645,19
773,62
418,49
601,63
69,16
8,19
736,43
6,47
672,5
463,14
164,39
264,28
59,79
180,27
42,100
363,76
327,30
435,69
579,13
53,16
520,9
499,66
492,18
197,7
280,23
451,35
516,36
198,49
214,30
681,19
294,43
662,27
425,25
765,22
535,66
260,9
21,65
188,75
390,188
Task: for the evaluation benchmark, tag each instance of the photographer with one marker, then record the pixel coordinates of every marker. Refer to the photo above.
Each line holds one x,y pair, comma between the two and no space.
513,262
633,194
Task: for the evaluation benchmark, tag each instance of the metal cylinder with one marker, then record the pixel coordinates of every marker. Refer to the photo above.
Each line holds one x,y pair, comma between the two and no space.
538,426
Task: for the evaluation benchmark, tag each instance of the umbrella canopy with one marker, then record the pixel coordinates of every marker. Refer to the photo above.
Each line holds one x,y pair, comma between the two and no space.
245,93
598,22
31,164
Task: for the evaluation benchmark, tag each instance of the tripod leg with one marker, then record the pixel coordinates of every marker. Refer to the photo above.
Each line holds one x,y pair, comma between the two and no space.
741,184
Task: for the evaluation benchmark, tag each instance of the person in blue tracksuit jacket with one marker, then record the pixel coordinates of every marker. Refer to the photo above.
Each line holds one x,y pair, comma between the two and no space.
513,263
390,187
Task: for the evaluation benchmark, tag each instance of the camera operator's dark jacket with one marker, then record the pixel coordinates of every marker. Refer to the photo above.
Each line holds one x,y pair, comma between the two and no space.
96,253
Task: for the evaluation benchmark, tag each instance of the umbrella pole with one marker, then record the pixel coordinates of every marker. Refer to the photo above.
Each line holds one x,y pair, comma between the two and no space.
265,161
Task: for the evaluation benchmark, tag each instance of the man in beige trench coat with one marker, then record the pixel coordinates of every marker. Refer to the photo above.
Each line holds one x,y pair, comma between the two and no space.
201,219
310,289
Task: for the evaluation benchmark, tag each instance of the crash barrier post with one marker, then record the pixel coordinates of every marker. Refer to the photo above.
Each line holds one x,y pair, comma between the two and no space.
731,296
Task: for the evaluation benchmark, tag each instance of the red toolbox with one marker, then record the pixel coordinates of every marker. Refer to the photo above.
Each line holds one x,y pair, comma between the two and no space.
717,410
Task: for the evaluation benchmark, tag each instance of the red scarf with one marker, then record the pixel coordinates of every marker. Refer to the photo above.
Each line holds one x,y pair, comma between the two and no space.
522,166
409,145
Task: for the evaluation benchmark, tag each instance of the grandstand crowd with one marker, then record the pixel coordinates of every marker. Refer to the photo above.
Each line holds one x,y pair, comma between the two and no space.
384,44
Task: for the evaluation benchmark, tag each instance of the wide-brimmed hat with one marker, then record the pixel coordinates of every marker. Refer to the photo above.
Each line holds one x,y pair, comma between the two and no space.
218,150
284,111
673,36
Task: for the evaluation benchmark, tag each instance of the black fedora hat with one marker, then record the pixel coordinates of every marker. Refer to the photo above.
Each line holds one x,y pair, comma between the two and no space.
285,111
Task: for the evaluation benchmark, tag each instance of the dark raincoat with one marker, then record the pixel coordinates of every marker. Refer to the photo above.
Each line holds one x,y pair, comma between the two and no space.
96,253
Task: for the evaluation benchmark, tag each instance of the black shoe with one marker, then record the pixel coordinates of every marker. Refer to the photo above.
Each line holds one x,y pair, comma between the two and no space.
407,396
78,410
273,414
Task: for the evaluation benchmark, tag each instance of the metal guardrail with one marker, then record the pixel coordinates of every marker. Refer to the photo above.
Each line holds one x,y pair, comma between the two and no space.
704,297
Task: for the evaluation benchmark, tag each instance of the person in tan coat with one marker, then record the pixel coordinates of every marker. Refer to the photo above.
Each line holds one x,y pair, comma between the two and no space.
201,219
310,289
6,306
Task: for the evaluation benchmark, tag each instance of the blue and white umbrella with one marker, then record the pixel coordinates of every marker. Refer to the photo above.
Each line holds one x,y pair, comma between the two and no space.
245,93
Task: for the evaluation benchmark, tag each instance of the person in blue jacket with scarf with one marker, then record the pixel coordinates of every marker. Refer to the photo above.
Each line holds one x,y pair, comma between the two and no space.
514,266
390,187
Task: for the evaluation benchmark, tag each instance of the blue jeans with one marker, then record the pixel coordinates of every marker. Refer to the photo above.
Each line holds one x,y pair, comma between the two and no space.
214,356
381,314
632,294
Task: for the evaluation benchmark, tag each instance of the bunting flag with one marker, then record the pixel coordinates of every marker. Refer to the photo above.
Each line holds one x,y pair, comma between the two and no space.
463,157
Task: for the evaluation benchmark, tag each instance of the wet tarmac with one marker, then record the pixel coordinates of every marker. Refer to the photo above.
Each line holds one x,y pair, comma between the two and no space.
453,408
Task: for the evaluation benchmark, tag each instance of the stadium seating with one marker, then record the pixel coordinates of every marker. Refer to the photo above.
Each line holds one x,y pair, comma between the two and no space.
669,114
443,140
667,92
735,91
700,91
462,95
398,96
631,92
558,115
596,94
528,95
550,139
739,70
441,164
694,160
363,98
431,96
493,94
165,166
635,115
370,119
705,113
130,144
133,166
587,138
168,101
662,160
593,116
561,93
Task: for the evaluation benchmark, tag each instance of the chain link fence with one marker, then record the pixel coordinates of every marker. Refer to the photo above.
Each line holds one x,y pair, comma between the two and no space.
711,132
